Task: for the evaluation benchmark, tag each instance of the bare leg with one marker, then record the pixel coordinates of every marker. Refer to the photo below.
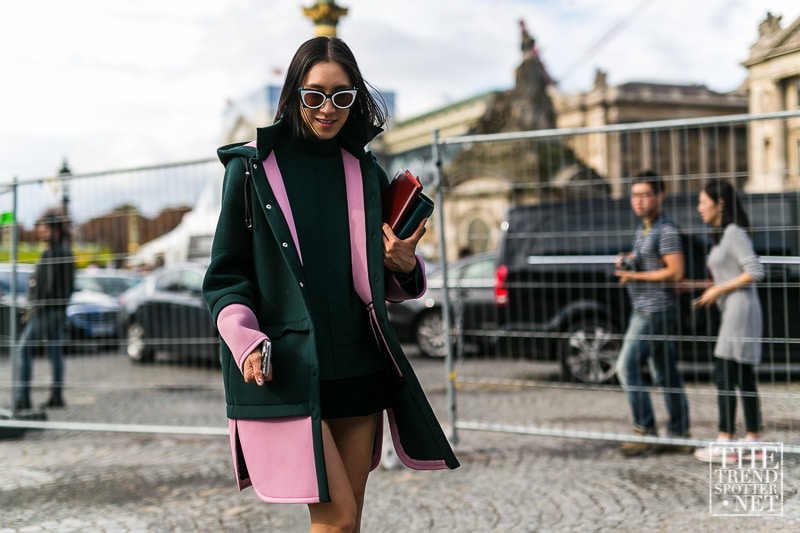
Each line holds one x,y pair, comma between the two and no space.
348,446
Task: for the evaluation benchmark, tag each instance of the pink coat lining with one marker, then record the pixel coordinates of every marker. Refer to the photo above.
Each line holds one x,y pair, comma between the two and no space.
268,446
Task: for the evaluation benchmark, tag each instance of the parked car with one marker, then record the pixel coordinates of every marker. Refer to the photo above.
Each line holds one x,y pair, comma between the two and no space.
471,291
557,296
112,282
93,310
24,272
166,312
93,314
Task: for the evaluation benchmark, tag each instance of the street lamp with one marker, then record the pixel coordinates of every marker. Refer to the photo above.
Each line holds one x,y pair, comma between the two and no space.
63,175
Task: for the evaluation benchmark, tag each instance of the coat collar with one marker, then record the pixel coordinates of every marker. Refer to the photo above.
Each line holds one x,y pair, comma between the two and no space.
353,139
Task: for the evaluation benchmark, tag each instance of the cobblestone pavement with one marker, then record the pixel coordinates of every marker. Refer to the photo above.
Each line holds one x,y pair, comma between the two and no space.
60,481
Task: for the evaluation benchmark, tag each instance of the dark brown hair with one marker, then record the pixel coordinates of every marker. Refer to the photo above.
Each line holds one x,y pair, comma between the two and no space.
366,111
58,223
732,210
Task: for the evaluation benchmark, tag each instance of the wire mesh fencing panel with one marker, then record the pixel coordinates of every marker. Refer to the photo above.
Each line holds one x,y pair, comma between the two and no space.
135,324
537,317
545,331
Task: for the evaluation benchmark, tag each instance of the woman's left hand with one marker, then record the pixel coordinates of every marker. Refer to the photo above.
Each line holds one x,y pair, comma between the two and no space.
398,255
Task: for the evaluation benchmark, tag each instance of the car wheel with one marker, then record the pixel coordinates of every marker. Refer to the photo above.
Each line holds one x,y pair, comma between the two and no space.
137,348
429,334
589,352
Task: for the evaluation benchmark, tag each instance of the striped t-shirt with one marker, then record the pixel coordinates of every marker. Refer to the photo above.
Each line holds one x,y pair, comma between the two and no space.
649,245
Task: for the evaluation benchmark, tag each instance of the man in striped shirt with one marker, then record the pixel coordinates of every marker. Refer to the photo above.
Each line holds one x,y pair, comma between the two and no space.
649,272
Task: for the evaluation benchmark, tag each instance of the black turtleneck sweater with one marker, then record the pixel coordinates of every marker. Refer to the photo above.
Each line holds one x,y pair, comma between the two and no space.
313,174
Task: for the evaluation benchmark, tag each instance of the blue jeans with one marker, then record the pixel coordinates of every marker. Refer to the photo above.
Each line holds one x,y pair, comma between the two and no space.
45,326
640,348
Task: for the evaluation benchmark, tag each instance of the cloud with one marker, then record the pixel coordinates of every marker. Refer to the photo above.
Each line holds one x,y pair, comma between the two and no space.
114,83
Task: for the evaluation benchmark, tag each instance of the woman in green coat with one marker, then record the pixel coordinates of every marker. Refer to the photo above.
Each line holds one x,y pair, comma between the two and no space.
301,268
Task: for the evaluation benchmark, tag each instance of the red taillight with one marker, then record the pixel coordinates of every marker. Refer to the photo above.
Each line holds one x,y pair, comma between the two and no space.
500,290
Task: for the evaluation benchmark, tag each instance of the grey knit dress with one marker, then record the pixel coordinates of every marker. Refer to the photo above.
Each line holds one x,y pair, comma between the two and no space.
741,325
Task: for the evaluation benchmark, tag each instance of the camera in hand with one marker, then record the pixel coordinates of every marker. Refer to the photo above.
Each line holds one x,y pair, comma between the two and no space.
627,263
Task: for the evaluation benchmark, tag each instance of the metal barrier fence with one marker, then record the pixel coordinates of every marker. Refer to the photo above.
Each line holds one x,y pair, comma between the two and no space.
525,367
545,328
122,225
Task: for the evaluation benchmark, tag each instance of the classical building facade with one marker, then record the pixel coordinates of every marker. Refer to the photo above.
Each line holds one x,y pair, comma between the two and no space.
678,153
762,156
408,144
481,183
773,83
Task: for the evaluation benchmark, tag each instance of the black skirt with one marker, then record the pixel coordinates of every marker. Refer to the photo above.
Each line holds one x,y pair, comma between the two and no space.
359,396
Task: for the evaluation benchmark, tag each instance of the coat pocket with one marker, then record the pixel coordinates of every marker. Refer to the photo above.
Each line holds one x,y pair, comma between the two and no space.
292,357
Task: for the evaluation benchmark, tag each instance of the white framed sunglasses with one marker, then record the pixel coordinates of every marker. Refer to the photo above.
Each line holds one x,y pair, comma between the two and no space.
313,99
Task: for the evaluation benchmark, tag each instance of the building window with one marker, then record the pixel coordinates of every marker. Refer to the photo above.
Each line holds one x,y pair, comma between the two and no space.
740,148
797,158
478,236
797,94
767,154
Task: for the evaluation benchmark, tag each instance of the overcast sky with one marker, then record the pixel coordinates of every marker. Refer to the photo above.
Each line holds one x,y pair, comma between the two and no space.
121,83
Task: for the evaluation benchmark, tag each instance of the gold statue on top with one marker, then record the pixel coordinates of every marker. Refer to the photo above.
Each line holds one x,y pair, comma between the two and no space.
325,14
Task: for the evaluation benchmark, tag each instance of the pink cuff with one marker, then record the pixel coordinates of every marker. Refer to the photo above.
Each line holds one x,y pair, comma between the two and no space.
396,293
238,327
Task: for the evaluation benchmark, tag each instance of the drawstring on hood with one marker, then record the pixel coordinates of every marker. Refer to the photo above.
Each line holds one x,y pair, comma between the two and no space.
248,215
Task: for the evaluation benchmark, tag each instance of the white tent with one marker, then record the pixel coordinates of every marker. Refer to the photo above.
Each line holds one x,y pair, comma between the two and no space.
192,237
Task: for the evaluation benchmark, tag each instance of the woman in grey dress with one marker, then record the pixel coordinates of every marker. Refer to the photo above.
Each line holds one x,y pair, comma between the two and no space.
735,269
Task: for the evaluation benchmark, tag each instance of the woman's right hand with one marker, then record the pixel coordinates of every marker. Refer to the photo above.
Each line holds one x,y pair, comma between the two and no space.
252,369
709,296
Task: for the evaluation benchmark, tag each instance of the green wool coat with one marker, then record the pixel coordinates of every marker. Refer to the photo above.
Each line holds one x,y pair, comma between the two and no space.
261,268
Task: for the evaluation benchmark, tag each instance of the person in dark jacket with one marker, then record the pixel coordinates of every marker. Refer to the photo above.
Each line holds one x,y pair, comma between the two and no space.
49,291
301,268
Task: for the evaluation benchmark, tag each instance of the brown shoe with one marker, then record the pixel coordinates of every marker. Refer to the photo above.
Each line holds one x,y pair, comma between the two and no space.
632,449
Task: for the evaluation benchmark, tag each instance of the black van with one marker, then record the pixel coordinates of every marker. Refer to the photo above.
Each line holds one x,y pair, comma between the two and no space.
558,298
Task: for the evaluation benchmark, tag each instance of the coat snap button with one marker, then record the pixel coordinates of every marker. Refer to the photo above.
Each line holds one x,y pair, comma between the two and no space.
285,244
301,284
268,206
255,166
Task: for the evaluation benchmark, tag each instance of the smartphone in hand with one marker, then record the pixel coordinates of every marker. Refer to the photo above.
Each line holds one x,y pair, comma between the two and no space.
266,358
